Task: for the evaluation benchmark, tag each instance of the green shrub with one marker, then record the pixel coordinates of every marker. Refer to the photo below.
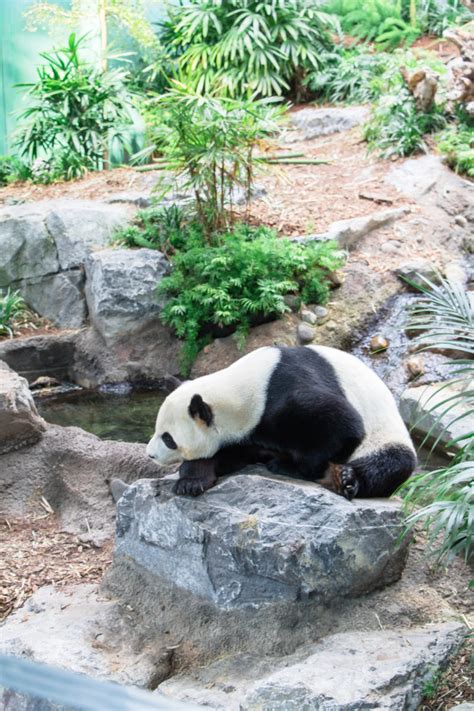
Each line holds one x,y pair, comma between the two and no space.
444,319
457,144
12,305
436,17
248,46
240,281
207,142
349,76
76,110
379,21
396,127
13,169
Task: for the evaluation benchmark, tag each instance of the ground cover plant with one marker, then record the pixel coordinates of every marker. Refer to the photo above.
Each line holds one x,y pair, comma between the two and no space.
249,47
163,228
207,146
12,306
76,110
239,280
443,500
457,144
13,169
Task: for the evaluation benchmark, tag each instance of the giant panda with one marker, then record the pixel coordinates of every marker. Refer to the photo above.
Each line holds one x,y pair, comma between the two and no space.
310,411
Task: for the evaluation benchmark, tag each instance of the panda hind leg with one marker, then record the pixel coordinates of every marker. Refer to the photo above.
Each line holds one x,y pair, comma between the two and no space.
376,475
341,479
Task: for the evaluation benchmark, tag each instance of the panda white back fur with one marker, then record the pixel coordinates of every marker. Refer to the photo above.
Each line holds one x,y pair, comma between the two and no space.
311,411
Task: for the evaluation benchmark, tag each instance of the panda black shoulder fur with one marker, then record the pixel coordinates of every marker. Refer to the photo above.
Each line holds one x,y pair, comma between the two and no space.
310,411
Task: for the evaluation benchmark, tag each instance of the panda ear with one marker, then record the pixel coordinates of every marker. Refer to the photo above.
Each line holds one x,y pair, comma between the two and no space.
200,409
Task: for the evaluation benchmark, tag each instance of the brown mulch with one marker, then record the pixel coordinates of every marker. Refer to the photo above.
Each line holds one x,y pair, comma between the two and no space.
308,198
455,685
35,552
92,186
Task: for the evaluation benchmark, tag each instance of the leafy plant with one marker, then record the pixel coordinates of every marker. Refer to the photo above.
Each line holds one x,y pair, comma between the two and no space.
76,110
457,144
13,169
379,21
436,17
349,76
249,47
11,306
395,32
208,142
395,126
445,319
156,228
239,281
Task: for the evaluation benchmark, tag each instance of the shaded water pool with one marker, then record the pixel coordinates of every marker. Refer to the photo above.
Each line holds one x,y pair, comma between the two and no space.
128,418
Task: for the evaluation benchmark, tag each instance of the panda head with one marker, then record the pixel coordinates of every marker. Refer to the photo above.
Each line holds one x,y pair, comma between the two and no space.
185,428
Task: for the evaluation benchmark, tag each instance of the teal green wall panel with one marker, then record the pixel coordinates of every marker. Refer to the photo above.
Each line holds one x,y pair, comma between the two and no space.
19,50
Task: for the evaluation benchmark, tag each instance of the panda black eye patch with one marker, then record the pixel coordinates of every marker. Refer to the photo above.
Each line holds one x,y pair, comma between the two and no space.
169,441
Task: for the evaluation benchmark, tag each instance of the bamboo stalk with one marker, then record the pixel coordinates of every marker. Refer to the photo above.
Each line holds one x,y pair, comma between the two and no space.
154,166
299,161
279,157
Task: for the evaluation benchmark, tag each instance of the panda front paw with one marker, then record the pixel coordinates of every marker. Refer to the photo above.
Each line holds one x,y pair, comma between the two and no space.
348,483
195,477
189,487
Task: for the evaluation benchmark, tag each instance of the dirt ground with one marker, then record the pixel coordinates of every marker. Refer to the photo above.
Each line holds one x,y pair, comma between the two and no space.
34,552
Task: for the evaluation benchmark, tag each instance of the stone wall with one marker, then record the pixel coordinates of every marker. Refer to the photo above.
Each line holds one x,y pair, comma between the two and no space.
58,254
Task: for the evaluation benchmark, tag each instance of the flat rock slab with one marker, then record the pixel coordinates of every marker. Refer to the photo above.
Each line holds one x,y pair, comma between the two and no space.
80,630
343,672
20,423
348,232
431,412
321,122
256,539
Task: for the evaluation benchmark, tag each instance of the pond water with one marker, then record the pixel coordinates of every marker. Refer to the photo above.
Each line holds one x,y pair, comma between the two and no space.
126,417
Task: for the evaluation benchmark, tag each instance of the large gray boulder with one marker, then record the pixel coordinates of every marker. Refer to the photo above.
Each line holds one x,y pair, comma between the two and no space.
80,226
254,540
313,122
438,412
58,297
349,671
27,250
121,289
20,423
